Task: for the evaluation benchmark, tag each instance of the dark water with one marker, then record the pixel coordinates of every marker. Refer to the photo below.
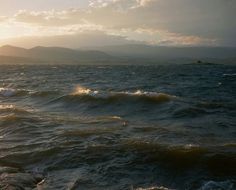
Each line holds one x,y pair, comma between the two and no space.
119,127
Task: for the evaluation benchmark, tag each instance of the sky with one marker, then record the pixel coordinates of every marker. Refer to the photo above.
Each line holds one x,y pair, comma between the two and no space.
89,23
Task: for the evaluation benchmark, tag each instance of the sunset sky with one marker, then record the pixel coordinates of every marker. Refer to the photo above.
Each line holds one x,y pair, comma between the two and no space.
82,23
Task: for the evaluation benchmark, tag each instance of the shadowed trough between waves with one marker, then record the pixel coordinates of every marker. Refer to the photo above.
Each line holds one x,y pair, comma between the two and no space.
118,127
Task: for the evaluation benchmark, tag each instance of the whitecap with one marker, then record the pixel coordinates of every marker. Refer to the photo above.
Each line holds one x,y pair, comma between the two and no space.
7,92
229,74
153,188
80,90
222,185
3,107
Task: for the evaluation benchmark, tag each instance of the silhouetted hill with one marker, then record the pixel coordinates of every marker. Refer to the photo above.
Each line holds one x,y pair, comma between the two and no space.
8,50
163,53
55,54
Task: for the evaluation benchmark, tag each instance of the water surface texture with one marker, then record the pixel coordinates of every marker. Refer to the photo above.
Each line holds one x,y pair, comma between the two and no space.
120,127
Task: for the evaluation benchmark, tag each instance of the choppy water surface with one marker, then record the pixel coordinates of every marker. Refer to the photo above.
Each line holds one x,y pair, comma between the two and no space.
118,127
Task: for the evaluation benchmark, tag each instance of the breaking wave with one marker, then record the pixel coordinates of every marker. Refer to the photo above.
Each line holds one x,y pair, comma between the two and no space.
87,95
9,92
222,185
229,74
182,156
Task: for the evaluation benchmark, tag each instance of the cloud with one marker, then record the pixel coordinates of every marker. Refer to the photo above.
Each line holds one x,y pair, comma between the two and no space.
182,22
51,18
3,19
77,40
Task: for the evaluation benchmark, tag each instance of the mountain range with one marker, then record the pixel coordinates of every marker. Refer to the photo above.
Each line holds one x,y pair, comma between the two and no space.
41,54
123,54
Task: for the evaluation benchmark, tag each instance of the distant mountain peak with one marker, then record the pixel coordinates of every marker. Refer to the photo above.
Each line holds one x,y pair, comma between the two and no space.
54,54
10,47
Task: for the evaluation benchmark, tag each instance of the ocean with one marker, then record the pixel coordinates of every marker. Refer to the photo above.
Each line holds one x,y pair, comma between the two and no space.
118,127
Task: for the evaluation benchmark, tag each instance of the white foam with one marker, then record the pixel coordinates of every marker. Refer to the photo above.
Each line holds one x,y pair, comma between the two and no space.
228,74
154,188
222,185
147,94
7,92
3,107
79,90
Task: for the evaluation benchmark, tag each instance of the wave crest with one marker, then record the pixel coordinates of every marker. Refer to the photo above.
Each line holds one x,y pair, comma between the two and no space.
79,90
9,92
87,95
222,185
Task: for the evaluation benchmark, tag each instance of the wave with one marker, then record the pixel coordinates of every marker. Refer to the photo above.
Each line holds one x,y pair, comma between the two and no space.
209,185
88,95
8,92
87,132
193,109
6,107
110,125
82,94
9,108
181,150
189,112
229,74
182,156
221,185
11,119
79,90
153,188
11,92
44,93
216,105
233,145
